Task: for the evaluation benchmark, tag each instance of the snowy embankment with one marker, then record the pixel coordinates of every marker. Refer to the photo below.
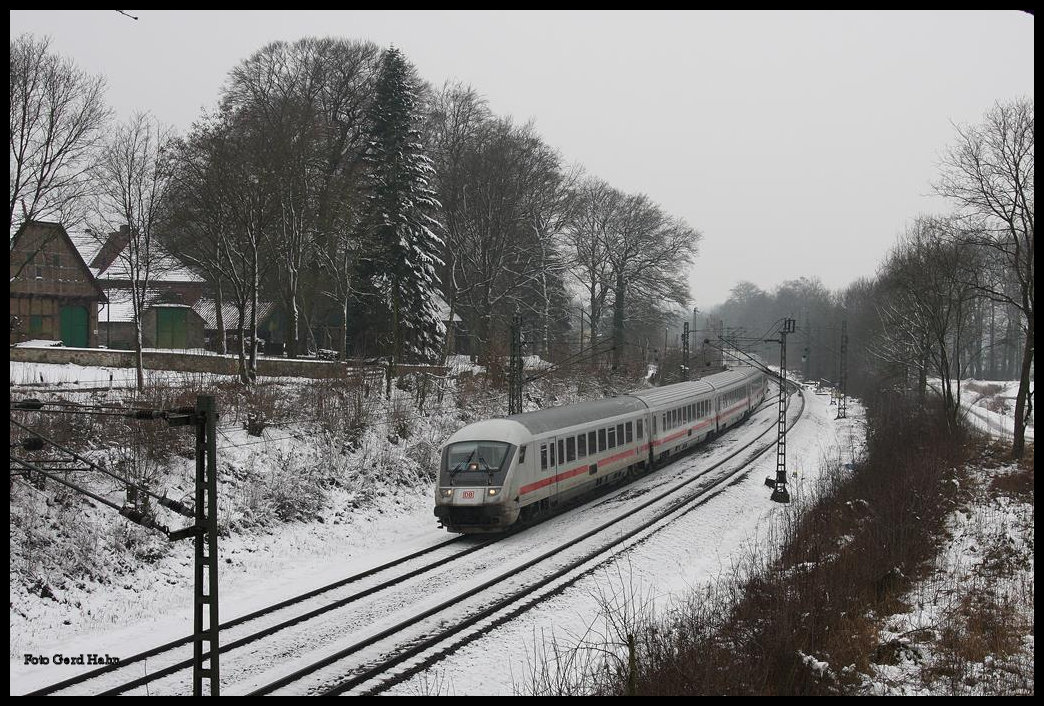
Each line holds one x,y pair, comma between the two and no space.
362,526
990,407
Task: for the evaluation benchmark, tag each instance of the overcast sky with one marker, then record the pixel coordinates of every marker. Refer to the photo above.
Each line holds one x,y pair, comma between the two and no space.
797,143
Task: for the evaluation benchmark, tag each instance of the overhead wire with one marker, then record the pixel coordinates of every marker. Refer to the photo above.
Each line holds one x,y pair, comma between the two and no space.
92,466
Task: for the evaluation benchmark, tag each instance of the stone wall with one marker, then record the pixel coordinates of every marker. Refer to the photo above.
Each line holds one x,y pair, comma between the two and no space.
200,363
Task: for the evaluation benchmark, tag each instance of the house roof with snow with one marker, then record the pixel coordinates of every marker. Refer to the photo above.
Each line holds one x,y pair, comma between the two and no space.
120,307
207,308
443,308
105,255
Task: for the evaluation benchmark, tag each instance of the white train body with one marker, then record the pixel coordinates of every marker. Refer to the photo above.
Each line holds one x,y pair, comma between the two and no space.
495,471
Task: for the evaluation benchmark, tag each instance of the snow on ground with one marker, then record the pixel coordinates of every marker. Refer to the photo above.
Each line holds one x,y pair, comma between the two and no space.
152,607
988,559
658,574
155,606
989,556
990,406
88,376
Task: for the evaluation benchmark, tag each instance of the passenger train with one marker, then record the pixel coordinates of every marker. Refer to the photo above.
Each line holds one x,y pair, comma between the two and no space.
498,472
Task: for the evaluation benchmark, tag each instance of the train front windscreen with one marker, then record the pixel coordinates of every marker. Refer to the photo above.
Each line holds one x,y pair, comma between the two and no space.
475,463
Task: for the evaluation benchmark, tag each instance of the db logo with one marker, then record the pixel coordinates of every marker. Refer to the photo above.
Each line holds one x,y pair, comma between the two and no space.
468,494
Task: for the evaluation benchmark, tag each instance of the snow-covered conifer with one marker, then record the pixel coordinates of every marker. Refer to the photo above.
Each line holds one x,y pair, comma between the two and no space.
401,219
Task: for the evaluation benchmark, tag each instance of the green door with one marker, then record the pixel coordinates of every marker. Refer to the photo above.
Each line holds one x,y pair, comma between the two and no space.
73,323
171,328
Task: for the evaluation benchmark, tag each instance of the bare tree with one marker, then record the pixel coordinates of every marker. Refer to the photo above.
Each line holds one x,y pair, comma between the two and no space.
248,204
194,213
500,186
925,317
596,209
648,252
989,172
455,117
134,175
307,103
57,116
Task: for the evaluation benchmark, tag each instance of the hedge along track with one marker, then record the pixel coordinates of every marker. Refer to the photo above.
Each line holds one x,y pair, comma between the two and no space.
401,654
467,629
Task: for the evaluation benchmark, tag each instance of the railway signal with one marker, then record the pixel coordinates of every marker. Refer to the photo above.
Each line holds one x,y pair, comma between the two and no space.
843,382
779,484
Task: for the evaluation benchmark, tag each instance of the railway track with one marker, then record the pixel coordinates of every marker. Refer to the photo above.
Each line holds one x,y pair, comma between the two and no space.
412,657
276,617
330,628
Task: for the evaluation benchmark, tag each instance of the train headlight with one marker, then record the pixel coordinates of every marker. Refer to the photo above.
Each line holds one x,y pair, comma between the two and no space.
494,491
446,492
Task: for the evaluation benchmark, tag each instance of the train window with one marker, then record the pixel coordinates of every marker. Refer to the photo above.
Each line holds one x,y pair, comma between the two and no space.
620,434
581,446
612,438
521,454
561,451
601,440
663,422
543,457
630,430
592,444
552,445
639,425
571,448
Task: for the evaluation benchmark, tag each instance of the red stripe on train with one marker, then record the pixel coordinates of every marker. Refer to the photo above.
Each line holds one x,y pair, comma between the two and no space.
572,472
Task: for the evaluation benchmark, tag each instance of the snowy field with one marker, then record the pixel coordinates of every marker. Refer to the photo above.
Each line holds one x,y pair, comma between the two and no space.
147,608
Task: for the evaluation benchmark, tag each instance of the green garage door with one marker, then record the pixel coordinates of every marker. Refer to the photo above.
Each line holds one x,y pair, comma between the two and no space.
171,328
73,322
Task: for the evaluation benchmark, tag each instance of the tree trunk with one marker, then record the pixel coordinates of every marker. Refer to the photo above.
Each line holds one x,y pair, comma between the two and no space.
219,316
993,342
293,340
396,342
618,320
252,369
343,343
1022,401
139,358
244,376
137,302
